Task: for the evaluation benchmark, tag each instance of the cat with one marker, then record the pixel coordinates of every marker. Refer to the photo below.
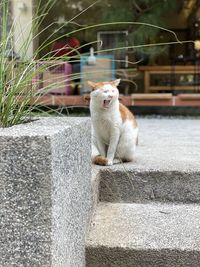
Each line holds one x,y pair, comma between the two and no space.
115,129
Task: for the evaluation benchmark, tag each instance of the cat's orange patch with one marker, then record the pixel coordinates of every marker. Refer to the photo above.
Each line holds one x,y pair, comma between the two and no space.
127,115
100,160
100,85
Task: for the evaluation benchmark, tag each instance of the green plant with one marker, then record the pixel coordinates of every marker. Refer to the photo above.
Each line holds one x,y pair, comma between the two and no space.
18,95
16,88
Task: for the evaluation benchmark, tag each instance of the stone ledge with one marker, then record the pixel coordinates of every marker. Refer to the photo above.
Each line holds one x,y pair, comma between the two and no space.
145,186
45,184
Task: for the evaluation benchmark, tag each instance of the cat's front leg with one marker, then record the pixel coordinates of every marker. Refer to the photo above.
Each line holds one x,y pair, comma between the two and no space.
100,146
114,139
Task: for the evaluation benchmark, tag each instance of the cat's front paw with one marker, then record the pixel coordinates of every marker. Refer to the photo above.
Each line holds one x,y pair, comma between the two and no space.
109,162
100,160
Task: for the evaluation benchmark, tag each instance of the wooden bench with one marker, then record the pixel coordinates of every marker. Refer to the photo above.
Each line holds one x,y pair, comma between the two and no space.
172,84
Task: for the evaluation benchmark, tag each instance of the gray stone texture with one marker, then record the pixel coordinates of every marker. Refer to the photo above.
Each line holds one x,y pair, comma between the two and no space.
145,235
166,166
148,215
144,186
45,192
166,145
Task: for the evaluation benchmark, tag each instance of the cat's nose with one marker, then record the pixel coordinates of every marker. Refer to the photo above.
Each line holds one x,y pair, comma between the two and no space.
110,96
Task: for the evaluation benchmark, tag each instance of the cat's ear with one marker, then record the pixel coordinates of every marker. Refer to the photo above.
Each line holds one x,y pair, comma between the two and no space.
91,84
116,82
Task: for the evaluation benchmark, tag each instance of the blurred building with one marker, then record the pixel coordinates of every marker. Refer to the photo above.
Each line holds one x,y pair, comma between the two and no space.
184,21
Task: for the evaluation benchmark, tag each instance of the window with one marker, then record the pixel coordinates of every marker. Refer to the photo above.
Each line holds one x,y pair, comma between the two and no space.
109,40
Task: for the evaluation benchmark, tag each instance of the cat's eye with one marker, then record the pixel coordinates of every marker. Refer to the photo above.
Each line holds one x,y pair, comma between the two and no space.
106,91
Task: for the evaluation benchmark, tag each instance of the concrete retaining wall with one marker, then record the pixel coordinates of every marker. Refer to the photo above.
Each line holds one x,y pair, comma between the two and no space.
45,192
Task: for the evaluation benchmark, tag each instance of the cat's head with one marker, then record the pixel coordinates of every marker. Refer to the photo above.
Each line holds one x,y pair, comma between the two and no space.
104,94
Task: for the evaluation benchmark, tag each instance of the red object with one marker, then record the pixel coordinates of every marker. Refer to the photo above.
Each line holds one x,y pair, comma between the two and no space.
68,48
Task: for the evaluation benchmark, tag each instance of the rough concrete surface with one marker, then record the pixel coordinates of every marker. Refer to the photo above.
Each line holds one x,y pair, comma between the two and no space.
166,144
145,235
166,166
144,186
149,214
45,192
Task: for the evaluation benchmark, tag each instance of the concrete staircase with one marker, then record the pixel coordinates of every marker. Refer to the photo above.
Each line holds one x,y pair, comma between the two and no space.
148,214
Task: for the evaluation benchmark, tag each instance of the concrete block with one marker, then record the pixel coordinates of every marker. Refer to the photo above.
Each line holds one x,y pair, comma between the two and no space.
45,189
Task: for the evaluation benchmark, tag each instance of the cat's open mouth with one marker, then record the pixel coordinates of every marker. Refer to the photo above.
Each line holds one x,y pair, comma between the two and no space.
106,103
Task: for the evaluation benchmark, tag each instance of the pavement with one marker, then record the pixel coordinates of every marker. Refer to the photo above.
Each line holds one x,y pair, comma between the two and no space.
148,210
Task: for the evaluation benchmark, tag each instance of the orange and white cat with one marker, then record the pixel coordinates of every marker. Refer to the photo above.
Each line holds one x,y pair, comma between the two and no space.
115,130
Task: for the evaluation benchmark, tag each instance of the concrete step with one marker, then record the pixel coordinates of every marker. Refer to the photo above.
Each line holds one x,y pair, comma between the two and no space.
144,235
166,166
127,184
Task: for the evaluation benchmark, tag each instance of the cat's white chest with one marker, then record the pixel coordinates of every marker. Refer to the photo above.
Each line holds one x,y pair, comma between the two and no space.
104,124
